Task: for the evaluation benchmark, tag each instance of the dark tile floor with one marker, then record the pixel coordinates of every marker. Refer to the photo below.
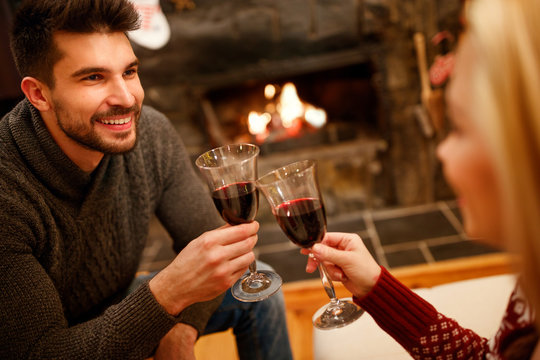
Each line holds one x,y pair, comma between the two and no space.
395,237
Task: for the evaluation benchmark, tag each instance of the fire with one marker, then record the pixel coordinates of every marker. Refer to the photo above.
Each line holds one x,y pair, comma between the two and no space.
288,112
269,91
289,107
315,116
257,124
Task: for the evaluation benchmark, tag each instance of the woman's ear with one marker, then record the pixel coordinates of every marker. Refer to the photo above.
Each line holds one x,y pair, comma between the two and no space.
36,93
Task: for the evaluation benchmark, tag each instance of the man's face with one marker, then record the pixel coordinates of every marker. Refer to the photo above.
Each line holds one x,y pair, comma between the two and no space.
97,95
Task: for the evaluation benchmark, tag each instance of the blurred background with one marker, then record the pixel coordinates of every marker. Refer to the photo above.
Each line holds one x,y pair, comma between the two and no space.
357,85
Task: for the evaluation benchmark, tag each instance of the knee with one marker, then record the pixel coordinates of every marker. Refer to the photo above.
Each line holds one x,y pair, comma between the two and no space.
273,306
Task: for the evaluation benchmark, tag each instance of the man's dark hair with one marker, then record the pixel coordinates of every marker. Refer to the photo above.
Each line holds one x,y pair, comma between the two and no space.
36,21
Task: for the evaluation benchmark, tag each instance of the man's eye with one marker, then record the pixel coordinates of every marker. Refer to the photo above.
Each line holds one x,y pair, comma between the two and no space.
93,77
130,72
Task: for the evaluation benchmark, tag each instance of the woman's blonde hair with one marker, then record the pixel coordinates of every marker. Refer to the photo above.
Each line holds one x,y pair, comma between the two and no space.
506,87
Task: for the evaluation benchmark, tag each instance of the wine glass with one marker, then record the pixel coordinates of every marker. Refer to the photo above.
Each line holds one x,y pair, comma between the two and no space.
296,202
231,172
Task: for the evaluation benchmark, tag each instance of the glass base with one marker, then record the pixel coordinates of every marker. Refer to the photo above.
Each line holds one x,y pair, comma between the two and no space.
332,316
256,287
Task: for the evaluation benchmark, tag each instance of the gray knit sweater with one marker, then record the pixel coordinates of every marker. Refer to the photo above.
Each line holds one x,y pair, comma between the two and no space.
71,241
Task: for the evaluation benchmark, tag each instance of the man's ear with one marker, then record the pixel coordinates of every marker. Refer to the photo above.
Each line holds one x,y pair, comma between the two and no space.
36,92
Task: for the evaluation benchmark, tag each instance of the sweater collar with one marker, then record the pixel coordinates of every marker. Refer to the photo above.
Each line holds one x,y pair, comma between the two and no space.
44,157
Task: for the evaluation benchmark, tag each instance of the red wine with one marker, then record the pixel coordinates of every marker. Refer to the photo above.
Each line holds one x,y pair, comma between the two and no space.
302,220
237,203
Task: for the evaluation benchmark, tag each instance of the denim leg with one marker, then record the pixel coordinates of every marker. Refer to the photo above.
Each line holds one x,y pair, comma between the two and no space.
260,327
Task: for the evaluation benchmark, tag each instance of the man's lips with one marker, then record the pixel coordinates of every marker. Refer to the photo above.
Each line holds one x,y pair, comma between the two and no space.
117,123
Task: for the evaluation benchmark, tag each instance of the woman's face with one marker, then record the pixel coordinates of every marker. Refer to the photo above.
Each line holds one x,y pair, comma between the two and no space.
468,166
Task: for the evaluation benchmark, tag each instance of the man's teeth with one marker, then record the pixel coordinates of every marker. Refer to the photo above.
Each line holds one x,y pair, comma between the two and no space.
116,122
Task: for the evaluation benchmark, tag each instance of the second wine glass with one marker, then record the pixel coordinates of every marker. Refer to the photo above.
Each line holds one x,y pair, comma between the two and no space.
230,172
294,196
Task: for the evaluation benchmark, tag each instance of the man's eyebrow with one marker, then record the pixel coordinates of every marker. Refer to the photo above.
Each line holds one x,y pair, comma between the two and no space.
87,71
133,63
91,70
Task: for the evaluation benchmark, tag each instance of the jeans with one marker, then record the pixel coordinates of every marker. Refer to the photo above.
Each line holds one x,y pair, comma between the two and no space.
260,327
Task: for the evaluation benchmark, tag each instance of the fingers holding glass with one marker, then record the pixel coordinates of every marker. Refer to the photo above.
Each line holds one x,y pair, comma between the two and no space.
294,196
231,172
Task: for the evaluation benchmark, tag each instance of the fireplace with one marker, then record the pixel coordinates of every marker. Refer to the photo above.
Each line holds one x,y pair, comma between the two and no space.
331,115
351,60
290,112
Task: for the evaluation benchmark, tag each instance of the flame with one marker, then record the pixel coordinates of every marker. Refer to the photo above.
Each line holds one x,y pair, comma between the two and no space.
315,116
269,91
290,107
257,122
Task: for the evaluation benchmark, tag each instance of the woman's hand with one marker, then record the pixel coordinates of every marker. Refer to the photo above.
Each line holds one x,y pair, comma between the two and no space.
347,260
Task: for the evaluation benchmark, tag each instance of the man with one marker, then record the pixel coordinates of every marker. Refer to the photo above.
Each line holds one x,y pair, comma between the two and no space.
83,168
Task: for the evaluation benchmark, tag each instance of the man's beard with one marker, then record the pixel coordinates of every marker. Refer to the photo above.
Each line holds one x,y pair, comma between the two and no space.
85,135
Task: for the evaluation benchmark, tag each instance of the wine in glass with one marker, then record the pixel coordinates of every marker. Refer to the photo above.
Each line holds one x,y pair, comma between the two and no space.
296,202
231,172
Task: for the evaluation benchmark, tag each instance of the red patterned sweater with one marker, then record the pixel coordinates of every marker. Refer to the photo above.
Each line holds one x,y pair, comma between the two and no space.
429,335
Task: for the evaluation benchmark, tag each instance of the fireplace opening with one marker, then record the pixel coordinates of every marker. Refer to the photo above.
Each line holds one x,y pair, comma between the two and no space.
331,115
297,111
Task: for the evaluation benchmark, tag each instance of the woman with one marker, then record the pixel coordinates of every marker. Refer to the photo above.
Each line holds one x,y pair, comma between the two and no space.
492,160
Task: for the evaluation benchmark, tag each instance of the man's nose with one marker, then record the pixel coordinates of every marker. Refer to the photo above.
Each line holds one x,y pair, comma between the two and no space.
120,94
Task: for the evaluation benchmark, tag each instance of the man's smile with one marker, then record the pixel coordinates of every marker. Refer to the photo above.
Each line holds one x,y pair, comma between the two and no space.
120,121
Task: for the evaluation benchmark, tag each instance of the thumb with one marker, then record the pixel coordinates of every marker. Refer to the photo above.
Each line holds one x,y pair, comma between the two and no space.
327,254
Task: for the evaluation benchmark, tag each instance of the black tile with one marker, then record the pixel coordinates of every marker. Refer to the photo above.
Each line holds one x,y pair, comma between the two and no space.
350,225
460,249
415,227
289,264
405,257
457,213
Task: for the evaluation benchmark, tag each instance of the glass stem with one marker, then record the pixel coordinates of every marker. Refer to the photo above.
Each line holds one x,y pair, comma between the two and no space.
327,282
253,268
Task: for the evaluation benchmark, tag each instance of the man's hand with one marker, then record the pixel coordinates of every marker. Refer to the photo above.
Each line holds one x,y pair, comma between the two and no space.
206,267
178,344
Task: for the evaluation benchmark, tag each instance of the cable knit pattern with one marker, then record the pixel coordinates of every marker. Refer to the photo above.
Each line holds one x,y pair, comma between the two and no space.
71,242
429,335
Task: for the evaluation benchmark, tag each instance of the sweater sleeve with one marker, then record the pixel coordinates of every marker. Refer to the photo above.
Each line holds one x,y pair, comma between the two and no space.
416,324
33,324
184,208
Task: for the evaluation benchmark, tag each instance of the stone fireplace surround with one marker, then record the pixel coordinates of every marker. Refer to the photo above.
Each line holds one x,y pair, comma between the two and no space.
224,44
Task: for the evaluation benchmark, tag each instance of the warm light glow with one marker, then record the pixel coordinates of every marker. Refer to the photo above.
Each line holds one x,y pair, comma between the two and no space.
284,116
257,122
315,116
289,107
269,91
